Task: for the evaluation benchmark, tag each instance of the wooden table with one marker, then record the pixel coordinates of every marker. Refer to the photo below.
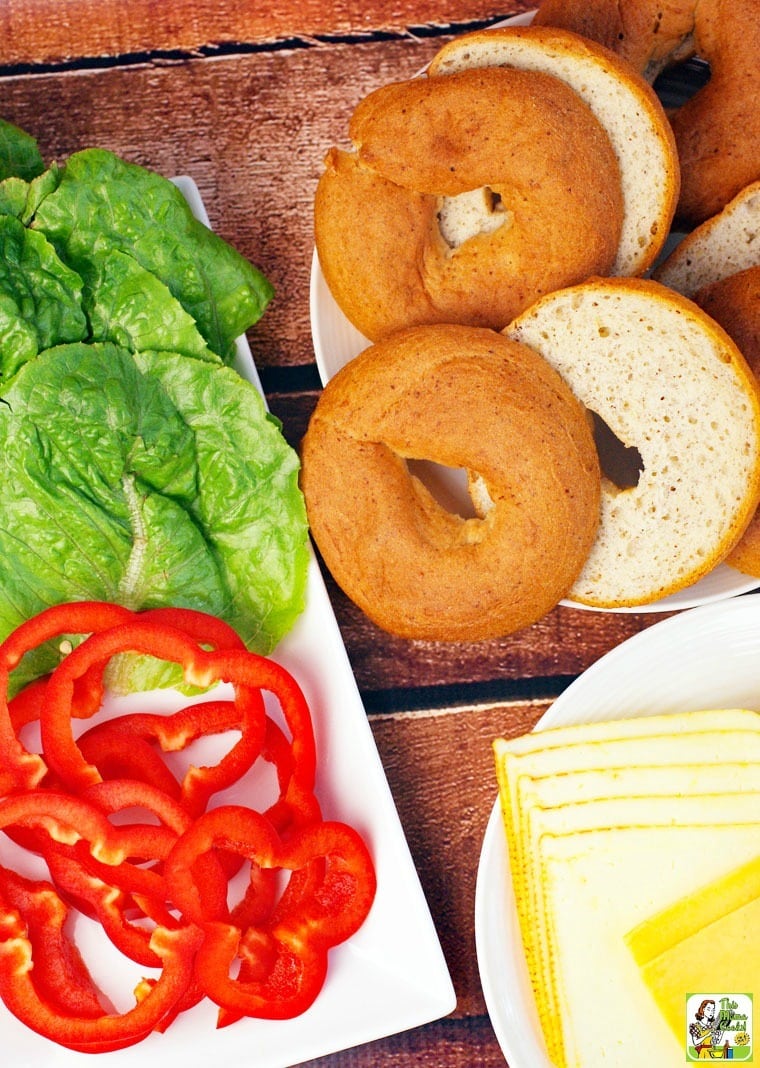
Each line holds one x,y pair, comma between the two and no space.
246,98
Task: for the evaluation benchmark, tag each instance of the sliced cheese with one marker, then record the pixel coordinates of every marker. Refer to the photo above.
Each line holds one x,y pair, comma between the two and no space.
595,888
647,725
606,825
708,940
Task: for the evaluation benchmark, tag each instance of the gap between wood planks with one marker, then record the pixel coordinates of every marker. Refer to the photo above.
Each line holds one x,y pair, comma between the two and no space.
160,57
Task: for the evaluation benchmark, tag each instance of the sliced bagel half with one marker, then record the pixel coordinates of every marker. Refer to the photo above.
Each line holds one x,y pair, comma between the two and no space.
668,382
623,102
723,245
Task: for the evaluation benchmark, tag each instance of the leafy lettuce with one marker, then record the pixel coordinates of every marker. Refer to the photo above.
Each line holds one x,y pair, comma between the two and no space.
19,153
137,466
103,202
147,479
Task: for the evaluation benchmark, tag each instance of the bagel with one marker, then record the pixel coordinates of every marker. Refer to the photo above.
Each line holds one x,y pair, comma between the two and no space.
441,214
669,382
734,302
717,130
722,245
464,398
647,34
623,102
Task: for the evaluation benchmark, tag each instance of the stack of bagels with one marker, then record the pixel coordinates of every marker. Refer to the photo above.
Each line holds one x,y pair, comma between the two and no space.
496,231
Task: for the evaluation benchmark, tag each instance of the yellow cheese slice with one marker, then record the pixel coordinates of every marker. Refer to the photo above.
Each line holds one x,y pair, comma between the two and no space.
706,941
594,888
613,812
632,726
694,819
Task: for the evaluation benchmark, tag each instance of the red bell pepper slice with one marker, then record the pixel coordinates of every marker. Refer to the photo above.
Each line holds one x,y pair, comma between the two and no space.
173,732
160,889
121,754
247,672
27,1000
287,955
59,971
22,769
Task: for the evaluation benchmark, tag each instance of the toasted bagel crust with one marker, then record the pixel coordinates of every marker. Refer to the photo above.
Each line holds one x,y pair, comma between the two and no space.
623,102
734,302
717,130
423,144
465,398
722,245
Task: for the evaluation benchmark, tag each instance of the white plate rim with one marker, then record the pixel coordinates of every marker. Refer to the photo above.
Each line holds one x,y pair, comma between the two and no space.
705,657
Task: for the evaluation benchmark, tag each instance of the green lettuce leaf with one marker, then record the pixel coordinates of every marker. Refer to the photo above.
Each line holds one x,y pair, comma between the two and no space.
128,305
40,297
103,202
147,479
19,154
13,194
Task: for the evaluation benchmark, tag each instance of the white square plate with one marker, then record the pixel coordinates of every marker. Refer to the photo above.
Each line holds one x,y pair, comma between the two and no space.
389,977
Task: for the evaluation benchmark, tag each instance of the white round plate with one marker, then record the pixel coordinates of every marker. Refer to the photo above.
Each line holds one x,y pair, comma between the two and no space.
708,657
336,341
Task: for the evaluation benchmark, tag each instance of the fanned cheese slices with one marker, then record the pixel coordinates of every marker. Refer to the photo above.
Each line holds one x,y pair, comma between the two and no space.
607,824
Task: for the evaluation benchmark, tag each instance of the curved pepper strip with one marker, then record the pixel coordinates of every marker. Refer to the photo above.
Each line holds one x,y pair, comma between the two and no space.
146,842
116,894
247,672
68,820
59,971
297,803
65,830
210,631
22,769
174,732
286,956
102,902
120,754
110,1031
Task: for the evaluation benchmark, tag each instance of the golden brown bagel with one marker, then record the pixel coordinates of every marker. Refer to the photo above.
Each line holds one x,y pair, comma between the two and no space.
670,383
444,214
722,245
734,302
623,102
718,130
465,398
648,34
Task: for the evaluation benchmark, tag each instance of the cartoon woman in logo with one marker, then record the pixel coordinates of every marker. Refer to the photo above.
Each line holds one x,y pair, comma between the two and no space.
706,1033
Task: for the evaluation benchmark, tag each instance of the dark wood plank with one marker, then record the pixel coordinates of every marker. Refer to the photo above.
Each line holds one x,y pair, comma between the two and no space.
440,770
461,1043
250,130
48,31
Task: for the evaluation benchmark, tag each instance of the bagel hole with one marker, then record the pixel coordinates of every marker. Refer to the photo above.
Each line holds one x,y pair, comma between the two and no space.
477,211
448,486
621,464
679,82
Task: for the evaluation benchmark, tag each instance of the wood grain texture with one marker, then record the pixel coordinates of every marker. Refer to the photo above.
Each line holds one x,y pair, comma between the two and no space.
461,1043
42,31
250,130
439,766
